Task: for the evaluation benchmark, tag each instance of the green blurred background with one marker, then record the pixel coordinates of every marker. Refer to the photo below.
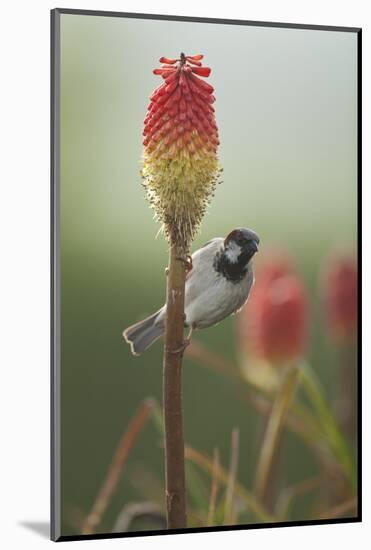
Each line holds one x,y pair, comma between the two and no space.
286,110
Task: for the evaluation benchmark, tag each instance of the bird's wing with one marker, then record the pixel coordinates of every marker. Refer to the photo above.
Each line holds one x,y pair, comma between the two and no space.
204,256
213,245
216,239
202,274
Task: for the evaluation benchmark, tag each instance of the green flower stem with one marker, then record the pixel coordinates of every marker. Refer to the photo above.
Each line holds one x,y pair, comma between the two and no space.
328,423
214,489
273,433
229,498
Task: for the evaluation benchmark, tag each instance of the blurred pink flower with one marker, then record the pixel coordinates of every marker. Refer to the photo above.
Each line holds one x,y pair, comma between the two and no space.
274,324
339,291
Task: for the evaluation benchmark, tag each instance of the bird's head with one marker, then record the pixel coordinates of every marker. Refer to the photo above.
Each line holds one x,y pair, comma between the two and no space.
240,245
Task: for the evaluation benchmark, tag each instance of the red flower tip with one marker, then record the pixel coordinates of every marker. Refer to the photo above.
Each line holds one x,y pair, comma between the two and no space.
339,291
273,325
185,64
181,107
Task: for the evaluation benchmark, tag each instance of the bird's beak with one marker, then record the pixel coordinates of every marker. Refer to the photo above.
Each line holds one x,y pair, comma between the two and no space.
255,246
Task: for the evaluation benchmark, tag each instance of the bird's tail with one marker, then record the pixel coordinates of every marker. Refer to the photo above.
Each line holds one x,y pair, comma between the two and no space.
142,335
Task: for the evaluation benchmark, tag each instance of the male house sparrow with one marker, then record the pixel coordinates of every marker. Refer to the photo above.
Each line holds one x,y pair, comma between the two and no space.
217,285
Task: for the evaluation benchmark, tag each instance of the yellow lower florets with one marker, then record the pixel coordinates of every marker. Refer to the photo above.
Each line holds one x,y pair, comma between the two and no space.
179,190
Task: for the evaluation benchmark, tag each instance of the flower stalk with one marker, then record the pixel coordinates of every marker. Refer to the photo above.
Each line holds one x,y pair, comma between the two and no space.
172,392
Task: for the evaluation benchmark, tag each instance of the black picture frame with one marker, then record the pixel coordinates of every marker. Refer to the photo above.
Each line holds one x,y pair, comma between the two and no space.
55,267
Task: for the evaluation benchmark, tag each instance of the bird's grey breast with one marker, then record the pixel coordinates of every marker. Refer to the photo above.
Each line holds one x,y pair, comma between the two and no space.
202,277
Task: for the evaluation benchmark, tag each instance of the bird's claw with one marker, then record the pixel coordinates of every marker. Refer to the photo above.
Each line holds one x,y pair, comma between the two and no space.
187,262
186,342
181,349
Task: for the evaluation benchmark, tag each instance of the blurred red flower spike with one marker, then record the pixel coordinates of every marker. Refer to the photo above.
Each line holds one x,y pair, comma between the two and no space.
339,292
273,325
274,268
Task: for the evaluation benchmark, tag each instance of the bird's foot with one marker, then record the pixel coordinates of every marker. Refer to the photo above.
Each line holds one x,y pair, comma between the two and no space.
187,262
186,342
181,348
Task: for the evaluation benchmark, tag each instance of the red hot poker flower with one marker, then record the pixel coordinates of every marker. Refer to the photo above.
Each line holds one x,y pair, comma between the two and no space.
273,325
339,290
180,167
